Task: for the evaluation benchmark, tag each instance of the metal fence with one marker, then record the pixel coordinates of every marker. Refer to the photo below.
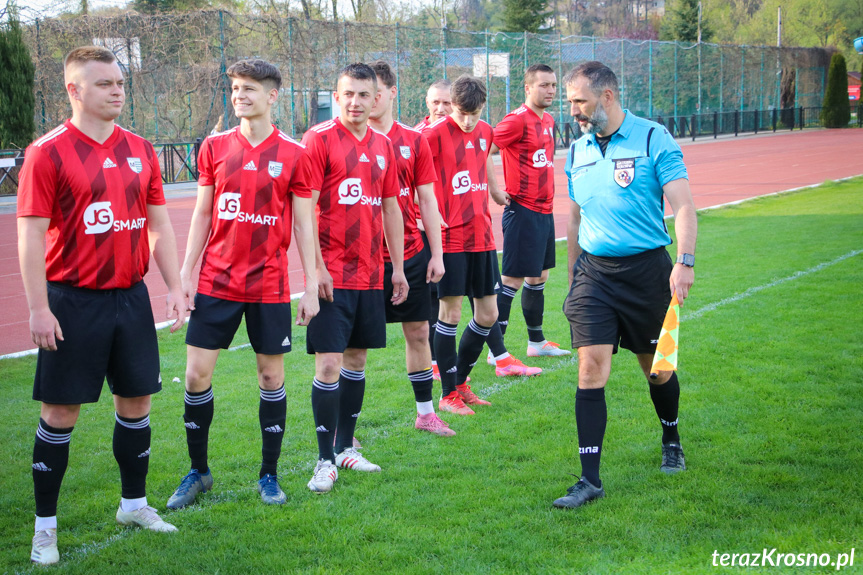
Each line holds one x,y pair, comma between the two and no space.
177,89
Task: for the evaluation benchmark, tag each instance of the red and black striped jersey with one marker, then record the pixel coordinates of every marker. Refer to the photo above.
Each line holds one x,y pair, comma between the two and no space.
96,196
462,184
353,176
416,168
246,256
526,144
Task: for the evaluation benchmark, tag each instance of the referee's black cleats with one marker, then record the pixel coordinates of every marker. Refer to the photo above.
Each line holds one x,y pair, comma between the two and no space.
579,494
672,459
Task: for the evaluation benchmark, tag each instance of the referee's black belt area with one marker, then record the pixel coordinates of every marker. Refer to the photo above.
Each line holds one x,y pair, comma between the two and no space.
624,260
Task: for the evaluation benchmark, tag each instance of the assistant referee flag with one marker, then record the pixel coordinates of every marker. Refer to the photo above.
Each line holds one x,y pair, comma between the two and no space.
665,358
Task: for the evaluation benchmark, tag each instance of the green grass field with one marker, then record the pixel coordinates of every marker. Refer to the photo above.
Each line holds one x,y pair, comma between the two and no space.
771,370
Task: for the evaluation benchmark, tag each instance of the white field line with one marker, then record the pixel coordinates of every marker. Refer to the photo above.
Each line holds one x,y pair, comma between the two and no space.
753,290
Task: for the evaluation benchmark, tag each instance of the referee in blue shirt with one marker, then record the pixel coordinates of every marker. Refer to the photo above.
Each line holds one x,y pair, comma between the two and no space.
621,276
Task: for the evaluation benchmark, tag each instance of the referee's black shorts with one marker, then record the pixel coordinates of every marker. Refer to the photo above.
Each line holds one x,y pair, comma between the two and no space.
107,334
619,301
528,242
417,307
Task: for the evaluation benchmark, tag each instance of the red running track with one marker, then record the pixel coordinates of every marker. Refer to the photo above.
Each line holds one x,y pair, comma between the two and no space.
720,172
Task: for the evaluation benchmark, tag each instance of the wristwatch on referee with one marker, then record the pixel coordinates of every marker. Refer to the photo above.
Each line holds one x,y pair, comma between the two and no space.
686,259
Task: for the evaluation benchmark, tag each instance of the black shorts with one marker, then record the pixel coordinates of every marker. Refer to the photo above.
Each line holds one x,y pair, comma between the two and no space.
214,321
474,274
418,305
355,319
619,301
106,334
528,241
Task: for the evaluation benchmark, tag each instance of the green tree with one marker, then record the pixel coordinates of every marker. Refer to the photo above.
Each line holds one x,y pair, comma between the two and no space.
524,15
17,102
836,111
681,23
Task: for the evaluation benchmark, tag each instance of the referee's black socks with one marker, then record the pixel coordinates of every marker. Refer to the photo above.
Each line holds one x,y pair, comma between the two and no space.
666,401
591,416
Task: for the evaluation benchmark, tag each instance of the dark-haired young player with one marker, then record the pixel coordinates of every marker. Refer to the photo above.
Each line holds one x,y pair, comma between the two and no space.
92,192
355,184
525,138
416,174
252,184
460,145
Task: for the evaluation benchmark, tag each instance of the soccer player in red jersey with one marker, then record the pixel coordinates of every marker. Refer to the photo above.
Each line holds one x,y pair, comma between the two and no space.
252,187
438,102
92,192
525,138
416,175
460,145
354,181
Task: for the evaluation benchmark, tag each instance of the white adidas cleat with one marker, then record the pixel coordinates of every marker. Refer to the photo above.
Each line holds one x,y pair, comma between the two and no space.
145,517
324,476
350,458
44,551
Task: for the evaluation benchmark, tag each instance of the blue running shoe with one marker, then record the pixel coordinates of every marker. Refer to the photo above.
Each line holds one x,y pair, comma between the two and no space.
271,493
190,486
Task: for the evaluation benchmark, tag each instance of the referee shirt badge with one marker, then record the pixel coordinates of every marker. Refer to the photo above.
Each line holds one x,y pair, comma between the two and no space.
274,169
624,171
382,163
135,165
482,144
406,152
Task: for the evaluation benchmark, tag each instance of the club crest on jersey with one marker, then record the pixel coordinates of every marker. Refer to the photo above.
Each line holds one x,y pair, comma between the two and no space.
482,144
624,171
274,169
382,162
406,152
135,165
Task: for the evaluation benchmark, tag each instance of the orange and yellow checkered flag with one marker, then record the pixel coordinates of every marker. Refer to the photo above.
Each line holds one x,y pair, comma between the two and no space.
665,358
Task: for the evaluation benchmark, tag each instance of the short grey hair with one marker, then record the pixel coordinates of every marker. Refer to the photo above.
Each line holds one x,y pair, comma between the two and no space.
599,77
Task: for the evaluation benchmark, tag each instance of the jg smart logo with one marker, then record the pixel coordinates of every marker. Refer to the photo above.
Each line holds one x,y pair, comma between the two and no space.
540,160
350,191
229,206
461,183
99,218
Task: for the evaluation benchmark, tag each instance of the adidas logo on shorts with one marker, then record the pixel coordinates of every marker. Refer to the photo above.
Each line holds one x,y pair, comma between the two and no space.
274,429
286,342
41,467
356,415
145,454
192,425
322,429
